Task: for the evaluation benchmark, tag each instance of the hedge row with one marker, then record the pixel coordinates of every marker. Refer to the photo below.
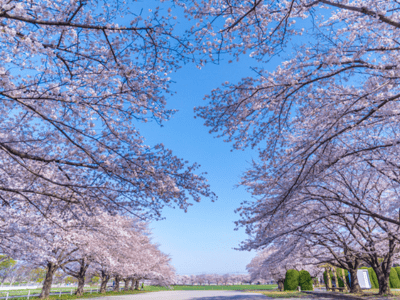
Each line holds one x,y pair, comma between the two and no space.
339,276
394,277
294,278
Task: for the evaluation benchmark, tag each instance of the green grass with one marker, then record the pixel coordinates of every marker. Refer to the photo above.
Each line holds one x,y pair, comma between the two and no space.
284,294
146,289
85,295
37,291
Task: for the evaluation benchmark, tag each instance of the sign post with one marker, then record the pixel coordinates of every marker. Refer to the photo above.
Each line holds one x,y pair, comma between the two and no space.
363,279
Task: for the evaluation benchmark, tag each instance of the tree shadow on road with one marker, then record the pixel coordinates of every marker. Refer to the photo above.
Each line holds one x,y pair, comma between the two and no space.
238,297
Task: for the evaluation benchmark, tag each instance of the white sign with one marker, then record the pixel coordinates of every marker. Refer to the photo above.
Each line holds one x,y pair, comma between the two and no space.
363,279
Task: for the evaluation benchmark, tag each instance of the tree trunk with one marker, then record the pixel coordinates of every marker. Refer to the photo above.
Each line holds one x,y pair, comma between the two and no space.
104,280
382,267
280,284
81,277
137,285
355,286
335,277
51,269
116,286
328,278
126,287
132,284
384,288
81,284
346,287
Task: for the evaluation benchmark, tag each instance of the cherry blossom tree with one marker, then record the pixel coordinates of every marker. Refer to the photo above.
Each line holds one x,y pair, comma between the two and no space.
332,103
226,278
217,278
273,262
7,267
331,100
113,245
43,245
184,279
339,219
304,114
76,80
126,253
209,278
78,270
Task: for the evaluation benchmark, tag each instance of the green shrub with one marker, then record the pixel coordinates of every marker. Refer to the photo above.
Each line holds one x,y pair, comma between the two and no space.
394,279
305,281
339,275
325,278
398,271
373,278
291,280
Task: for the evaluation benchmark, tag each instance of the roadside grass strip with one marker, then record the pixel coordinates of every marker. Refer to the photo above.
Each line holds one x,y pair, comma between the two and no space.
368,294
68,295
374,293
37,291
92,292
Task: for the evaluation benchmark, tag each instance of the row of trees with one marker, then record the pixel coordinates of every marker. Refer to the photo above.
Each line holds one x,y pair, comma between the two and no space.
215,279
74,85
109,246
325,125
320,225
325,122
14,272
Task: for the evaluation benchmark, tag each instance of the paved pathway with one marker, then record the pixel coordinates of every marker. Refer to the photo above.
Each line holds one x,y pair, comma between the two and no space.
189,295
209,295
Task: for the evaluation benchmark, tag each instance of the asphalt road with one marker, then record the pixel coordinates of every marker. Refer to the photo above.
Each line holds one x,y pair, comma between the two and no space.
189,295
213,295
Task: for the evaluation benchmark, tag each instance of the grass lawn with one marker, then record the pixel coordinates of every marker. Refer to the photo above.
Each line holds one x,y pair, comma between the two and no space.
374,292
35,292
68,296
296,294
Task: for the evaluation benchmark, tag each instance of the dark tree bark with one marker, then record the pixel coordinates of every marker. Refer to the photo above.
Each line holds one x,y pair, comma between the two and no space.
81,284
51,269
105,277
326,283
383,280
126,287
80,274
132,284
137,285
351,262
280,284
117,280
355,286
382,266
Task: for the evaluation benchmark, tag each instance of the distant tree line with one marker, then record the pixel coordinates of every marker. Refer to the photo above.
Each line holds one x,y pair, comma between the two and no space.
217,279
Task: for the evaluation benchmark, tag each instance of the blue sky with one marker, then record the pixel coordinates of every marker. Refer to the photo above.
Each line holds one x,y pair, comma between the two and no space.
201,240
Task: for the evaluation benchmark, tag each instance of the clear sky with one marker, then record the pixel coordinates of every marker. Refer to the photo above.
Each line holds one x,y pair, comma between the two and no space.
201,240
